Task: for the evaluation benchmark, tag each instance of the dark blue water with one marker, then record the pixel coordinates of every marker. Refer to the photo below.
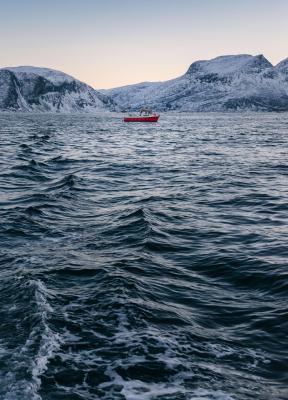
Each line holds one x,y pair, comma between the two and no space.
144,262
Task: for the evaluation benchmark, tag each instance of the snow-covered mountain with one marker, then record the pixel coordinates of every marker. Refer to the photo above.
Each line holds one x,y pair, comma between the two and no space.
283,67
239,82
47,90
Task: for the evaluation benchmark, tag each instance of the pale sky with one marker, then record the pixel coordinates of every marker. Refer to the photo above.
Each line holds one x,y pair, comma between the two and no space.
109,43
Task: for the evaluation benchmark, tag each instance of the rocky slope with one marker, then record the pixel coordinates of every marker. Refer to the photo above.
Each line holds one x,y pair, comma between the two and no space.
46,90
241,82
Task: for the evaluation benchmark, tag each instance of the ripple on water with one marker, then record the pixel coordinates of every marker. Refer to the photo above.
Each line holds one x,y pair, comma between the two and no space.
143,262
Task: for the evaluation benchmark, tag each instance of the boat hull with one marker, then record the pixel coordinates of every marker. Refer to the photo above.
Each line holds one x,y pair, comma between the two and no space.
152,118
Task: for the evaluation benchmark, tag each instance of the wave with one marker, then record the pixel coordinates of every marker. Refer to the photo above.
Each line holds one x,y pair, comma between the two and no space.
143,263
28,362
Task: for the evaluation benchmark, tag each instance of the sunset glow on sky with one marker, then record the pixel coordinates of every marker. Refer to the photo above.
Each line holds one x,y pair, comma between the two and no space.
113,43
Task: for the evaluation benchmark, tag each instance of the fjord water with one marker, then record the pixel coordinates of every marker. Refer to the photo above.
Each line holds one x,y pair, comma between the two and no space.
142,261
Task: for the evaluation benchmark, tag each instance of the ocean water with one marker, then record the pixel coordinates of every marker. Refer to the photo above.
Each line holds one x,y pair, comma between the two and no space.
141,261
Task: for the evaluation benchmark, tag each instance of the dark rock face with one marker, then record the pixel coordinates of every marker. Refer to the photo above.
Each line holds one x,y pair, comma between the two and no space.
257,104
8,91
226,83
40,89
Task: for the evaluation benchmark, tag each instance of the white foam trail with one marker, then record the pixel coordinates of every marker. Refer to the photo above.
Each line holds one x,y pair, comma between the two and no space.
49,343
134,389
203,394
138,390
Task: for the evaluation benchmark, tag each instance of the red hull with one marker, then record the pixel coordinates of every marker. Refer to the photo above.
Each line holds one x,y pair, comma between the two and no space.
152,118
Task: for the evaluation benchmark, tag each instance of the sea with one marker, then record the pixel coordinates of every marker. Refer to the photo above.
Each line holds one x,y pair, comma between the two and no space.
144,261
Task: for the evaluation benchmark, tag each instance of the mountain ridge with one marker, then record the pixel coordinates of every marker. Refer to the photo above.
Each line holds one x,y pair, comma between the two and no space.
225,83
37,89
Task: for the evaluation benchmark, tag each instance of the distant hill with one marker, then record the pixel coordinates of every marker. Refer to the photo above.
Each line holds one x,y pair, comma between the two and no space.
226,83
46,90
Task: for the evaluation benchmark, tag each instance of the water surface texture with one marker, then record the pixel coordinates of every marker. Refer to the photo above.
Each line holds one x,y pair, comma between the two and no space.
144,262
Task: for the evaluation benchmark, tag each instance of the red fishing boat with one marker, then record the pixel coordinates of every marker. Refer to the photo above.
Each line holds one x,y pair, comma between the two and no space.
145,115
150,118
